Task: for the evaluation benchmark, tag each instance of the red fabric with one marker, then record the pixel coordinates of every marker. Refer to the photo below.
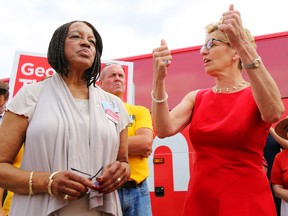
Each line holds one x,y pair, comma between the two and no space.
279,174
228,135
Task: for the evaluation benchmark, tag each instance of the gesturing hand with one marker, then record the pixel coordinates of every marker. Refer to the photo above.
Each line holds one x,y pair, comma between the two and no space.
161,59
231,25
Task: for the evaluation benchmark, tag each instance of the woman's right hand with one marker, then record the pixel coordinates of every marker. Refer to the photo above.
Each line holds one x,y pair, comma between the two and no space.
161,60
70,184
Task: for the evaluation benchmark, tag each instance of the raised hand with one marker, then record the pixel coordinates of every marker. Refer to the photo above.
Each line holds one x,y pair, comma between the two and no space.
161,59
231,25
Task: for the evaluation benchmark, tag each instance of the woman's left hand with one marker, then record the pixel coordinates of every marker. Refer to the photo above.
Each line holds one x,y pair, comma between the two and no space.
113,176
231,25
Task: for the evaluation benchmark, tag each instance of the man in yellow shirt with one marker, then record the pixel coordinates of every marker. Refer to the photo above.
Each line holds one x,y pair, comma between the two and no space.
134,194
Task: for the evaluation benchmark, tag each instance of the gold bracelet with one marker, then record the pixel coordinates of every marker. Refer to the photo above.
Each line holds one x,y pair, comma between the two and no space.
50,181
159,101
31,184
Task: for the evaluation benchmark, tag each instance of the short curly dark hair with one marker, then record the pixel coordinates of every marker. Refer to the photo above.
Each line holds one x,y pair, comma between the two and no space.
56,57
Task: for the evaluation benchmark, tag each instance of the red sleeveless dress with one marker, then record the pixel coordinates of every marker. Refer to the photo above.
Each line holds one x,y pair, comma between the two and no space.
228,135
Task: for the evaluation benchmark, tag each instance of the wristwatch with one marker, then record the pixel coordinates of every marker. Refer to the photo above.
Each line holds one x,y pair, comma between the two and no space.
255,64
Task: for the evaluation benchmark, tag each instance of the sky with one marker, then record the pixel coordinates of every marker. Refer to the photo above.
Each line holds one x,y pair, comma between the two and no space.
128,27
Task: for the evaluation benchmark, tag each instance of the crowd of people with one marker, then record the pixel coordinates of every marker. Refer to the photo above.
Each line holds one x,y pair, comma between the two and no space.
85,151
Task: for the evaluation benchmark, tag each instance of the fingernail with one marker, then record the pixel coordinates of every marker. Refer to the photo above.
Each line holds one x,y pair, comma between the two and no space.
94,187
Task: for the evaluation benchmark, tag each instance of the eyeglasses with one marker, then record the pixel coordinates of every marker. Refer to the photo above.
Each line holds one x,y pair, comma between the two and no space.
91,177
210,43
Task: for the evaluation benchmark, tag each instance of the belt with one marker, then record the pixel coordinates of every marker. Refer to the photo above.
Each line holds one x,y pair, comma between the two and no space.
131,184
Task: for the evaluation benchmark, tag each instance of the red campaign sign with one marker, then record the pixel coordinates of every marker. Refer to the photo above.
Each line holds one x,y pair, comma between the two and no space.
29,68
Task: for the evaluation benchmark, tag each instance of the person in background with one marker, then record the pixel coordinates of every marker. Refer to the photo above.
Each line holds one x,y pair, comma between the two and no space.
134,194
4,96
279,174
229,122
74,133
274,145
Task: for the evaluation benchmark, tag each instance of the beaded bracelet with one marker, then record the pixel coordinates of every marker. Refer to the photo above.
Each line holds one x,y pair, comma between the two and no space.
31,184
159,101
50,181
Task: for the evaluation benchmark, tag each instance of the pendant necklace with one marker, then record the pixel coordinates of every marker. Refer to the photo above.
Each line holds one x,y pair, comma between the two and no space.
229,89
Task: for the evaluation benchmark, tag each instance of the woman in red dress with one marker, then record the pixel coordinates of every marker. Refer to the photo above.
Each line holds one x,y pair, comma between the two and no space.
229,122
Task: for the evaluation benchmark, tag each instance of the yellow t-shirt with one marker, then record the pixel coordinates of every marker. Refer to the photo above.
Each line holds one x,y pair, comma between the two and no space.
8,199
139,118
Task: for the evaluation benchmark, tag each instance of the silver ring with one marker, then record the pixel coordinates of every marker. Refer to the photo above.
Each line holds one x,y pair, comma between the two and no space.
65,197
119,180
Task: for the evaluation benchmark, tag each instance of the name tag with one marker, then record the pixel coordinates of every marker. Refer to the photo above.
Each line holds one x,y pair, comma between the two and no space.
112,116
131,120
111,111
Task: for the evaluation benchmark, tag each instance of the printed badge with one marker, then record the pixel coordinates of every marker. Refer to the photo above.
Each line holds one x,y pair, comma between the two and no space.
131,120
111,111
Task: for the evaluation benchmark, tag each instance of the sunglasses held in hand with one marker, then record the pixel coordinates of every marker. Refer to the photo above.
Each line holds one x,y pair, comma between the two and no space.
90,176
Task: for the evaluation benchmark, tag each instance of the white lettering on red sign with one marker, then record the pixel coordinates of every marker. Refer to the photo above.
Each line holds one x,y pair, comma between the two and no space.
28,70
27,81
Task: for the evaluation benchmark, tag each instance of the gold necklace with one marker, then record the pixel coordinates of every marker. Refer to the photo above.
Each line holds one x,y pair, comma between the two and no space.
228,89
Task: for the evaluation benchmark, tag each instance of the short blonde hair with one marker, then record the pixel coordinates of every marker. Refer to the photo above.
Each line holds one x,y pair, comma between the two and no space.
213,27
